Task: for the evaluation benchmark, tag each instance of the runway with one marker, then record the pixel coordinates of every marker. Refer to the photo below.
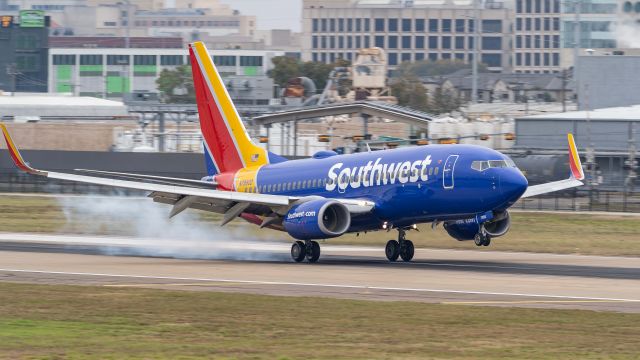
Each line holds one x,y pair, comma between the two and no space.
463,278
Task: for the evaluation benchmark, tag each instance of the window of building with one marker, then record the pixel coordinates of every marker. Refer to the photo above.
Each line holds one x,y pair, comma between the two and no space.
393,25
459,56
419,25
460,25
358,42
349,42
471,43
406,25
358,25
117,59
492,26
519,6
350,25
527,59
64,59
538,6
323,42
518,59
527,41
144,60
433,42
341,25
556,59
446,42
406,42
433,25
392,42
556,24
528,8
556,6
628,6
420,42
419,56
492,60
519,24
536,41
393,59
471,27
29,63
547,6
547,41
491,43
340,42
367,26
536,59
332,25
459,42
537,22
446,56
224,60
446,25
323,25
379,41
546,59
90,59
366,41
518,41
556,41
433,56
250,60
332,42
547,24
527,24
314,42
379,24
405,57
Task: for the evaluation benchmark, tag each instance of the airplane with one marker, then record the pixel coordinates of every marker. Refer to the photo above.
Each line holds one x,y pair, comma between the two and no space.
467,188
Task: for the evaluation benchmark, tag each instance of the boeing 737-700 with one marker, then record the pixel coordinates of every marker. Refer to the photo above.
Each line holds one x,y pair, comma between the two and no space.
468,189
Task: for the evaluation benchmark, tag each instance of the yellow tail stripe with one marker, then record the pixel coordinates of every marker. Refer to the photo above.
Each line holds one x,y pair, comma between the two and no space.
251,154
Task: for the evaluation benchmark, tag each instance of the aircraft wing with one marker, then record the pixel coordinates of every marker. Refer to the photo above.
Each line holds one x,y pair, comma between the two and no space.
577,174
189,194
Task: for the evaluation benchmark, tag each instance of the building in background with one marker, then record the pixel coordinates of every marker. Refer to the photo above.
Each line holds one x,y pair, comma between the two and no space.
24,44
408,31
537,32
616,86
108,72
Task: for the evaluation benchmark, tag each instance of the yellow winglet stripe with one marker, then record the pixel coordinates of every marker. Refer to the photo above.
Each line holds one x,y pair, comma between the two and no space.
574,159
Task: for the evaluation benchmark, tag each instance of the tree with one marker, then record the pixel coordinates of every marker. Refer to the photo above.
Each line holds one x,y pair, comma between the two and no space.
176,86
444,101
434,68
410,93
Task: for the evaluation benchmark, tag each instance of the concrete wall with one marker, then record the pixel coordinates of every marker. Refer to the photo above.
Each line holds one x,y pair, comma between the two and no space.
608,81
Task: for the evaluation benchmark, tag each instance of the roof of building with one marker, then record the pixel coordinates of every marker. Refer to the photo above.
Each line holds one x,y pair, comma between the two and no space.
462,79
59,106
613,113
114,42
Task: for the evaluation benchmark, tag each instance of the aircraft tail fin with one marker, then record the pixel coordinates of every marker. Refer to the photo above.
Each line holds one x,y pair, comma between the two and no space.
224,134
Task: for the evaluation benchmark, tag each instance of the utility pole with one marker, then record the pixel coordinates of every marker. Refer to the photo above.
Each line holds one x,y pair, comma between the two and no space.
476,45
576,43
565,79
12,71
631,164
127,43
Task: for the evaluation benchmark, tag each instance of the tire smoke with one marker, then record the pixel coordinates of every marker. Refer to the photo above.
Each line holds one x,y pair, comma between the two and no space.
147,231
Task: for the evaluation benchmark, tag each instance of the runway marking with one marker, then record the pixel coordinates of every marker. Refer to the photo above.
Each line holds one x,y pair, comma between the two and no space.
340,286
529,302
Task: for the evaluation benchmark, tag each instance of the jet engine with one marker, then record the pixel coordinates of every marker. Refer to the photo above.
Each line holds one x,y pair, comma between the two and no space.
495,224
317,219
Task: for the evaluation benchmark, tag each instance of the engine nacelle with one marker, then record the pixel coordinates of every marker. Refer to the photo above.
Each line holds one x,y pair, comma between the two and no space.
317,219
494,225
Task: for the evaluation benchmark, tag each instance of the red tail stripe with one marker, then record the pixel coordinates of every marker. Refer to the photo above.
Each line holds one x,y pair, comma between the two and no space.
214,130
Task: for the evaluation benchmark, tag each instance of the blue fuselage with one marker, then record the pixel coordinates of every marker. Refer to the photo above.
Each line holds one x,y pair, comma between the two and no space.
408,185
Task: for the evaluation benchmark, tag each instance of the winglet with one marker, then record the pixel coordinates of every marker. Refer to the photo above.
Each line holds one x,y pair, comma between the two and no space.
15,154
574,159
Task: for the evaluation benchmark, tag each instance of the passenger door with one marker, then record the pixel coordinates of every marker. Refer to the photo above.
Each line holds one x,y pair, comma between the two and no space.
447,171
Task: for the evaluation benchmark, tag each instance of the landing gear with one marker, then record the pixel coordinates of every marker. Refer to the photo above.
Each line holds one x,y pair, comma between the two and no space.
482,239
313,251
402,248
309,250
298,251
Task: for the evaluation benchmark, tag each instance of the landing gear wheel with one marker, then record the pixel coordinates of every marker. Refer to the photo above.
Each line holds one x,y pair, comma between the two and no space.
482,240
313,251
392,250
298,251
407,250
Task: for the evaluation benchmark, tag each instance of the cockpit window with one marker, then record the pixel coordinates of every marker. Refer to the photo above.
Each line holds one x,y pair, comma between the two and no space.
489,164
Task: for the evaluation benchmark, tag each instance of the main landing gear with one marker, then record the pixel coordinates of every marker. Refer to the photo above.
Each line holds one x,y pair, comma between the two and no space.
305,249
482,239
402,248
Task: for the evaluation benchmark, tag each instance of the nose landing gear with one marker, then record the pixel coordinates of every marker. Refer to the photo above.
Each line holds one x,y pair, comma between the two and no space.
402,248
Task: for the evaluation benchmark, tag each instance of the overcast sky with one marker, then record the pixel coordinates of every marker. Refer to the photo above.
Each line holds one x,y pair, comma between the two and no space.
271,14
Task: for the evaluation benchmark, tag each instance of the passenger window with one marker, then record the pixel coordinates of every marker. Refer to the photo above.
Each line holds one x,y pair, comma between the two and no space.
435,171
430,171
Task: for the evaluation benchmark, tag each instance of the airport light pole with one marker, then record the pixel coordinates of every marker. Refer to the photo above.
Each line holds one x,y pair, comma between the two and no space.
476,44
